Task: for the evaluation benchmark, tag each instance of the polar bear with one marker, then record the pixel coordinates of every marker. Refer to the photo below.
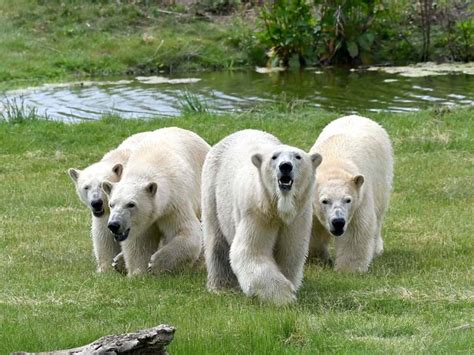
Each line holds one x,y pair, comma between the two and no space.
158,200
88,188
257,215
353,187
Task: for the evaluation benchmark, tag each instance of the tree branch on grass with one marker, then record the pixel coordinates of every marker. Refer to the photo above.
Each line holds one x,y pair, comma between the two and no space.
146,341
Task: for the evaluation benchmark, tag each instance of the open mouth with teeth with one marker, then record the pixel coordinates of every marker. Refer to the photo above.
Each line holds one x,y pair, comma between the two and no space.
120,237
285,183
98,213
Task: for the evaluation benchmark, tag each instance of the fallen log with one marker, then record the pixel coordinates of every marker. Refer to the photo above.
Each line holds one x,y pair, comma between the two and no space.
146,341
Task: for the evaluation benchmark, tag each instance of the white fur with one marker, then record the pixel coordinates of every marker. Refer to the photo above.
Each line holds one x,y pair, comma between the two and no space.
162,179
351,147
254,234
88,187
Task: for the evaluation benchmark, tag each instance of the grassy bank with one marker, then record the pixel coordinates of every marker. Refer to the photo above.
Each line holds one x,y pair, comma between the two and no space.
44,40
418,297
58,40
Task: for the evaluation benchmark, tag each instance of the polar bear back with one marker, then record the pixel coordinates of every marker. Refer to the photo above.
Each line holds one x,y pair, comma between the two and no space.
173,155
122,152
360,141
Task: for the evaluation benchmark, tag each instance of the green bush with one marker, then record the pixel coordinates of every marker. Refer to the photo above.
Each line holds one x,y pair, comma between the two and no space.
367,31
331,31
287,28
457,23
344,33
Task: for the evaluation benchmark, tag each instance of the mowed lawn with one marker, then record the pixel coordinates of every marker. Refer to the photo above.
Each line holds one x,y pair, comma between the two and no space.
417,298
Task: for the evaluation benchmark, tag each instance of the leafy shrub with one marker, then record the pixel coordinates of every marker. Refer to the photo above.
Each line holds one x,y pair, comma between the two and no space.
344,33
456,19
333,31
287,28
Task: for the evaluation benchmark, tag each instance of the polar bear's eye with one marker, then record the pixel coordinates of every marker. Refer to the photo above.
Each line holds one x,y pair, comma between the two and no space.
111,205
87,187
325,201
298,157
274,157
348,200
130,205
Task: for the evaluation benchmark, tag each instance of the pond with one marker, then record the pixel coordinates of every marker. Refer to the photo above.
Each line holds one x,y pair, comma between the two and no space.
338,90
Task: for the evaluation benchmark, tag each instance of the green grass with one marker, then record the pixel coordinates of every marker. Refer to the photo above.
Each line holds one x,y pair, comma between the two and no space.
44,40
417,298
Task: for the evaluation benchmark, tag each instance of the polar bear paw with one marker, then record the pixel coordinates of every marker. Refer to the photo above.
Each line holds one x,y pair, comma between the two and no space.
279,291
118,263
161,262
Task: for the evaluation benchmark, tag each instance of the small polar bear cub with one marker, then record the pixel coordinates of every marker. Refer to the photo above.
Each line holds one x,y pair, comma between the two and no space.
155,207
257,215
353,187
88,188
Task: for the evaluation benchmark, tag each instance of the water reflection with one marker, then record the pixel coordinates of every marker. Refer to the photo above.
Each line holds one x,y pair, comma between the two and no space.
337,90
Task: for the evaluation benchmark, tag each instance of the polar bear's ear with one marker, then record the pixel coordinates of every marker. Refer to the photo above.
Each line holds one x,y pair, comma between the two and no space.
151,188
358,180
257,160
74,174
107,187
316,159
117,169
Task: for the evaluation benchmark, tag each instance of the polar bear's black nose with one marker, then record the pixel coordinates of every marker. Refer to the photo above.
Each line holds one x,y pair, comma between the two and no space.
97,204
114,227
338,223
286,167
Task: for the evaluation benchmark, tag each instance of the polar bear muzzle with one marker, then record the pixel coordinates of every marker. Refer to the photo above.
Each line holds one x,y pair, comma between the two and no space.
337,226
285,176
115,229
97,207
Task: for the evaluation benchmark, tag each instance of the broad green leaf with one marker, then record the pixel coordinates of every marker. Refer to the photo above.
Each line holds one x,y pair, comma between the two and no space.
365,41
352,49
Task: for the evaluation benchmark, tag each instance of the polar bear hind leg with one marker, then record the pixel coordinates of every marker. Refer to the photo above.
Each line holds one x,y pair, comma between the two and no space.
216,249
378,250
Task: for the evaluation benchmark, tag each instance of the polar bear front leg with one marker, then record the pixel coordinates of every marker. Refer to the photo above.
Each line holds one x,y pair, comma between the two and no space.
138,249
251,259
105,246
355,249
292,247
318,244
183,246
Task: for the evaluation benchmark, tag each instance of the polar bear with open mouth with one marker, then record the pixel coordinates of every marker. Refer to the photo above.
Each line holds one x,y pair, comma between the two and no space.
257,213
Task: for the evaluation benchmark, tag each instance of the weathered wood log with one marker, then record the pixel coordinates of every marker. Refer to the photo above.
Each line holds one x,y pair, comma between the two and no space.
146,341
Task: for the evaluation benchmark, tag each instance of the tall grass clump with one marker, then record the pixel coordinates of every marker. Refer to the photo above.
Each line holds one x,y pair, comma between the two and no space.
191,102
16,111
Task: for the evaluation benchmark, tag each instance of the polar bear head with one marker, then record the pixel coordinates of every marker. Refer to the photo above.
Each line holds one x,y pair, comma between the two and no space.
133,207
337,197
286,173
88,184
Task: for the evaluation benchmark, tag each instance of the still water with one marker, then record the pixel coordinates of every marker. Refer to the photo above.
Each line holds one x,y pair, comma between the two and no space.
338,90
